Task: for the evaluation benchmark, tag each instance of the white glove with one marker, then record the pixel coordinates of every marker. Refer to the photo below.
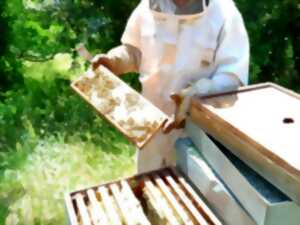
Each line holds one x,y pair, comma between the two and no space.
101,59
219,83
202,87
122,59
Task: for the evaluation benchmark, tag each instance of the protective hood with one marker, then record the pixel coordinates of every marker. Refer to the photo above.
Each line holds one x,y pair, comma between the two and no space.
169,7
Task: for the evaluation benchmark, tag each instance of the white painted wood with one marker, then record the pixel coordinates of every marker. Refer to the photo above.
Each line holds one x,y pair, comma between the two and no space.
98,215
123,205
82,208
173,202
134,203
260,125
192,164
206,211
69,209
158,198
187,202
110,209
263,211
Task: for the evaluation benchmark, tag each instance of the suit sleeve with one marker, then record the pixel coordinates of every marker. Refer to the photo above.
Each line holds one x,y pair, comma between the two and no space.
232,54
131,35
126,57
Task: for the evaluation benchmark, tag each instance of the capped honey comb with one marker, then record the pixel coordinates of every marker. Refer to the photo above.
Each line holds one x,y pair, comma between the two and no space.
136,117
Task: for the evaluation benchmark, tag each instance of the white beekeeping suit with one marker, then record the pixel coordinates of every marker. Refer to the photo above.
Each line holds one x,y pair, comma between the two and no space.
202,45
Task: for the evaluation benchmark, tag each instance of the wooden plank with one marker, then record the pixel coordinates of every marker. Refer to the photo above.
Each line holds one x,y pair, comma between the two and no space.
124,207
234,180
72,219
201,205
97,213
253,127
128,191
213,190
132,114
82,209
173,202
109,207
187,202
134,203
155,215
157,196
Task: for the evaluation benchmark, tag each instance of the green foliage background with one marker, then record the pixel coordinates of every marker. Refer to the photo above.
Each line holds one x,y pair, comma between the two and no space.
51,141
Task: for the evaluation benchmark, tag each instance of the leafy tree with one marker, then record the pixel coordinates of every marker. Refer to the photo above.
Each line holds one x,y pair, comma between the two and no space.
274,35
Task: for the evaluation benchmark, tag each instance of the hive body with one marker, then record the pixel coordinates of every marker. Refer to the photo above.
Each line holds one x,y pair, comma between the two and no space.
159,198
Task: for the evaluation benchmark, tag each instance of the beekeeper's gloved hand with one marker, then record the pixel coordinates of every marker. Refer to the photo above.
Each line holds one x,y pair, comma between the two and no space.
101,59
219,83
119,60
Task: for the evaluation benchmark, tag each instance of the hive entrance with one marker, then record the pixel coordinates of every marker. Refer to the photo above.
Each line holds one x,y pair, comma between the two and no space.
288,120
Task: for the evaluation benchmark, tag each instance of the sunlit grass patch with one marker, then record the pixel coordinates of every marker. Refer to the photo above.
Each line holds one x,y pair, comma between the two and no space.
32,192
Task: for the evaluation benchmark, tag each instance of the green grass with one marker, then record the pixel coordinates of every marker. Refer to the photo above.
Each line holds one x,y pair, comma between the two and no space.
34,182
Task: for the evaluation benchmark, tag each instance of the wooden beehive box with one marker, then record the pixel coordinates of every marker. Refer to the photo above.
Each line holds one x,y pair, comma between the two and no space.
132,114
158,197
264,202
260,124
192,163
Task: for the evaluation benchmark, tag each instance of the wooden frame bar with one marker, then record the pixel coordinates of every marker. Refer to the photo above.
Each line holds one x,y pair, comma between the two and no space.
83,212
157,196
134,204
109,207
208,214
187,202
125,209
98,215
172,200
70,209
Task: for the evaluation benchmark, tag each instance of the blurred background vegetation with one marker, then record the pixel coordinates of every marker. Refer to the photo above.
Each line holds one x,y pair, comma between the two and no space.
51,142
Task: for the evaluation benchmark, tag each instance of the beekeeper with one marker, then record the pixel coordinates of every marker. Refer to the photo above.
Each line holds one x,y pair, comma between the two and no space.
188,47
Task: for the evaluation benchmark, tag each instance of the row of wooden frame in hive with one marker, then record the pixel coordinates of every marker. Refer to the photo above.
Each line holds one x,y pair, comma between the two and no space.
158,197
